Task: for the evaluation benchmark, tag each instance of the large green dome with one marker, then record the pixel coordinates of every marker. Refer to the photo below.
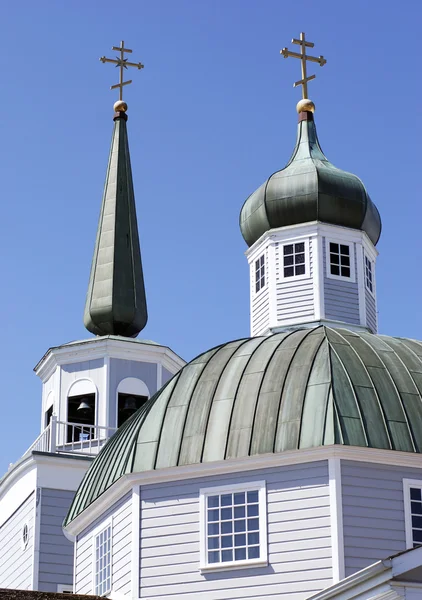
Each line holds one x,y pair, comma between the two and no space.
309,188
291,390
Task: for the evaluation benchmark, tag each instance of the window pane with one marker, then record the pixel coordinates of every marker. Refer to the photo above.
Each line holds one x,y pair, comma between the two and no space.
417,522
300,247
334,259
240,526
240,554
299,259
227,555
227,541
345,260
240,539
253,524
288,249
333,247
226,513
239,498
335,270
226,500
345,271
300,270
239,512
253,510
253,552
415,494
253,496
253,538
227,527
344,249
288,260
213,557
416,508
213,501
288,271
213,515
257,288
213,528
417,535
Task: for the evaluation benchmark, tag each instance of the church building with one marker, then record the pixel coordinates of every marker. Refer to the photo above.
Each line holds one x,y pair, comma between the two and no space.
283,465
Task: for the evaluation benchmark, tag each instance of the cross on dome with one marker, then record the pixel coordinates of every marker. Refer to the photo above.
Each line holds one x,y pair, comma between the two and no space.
303,43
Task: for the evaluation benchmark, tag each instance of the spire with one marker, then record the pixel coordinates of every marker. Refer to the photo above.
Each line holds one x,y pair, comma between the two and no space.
116,302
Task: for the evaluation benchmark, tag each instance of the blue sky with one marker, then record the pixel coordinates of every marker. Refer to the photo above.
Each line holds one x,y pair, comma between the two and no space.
211,116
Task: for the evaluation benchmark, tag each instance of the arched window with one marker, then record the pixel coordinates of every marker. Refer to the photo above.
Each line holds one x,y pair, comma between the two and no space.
81,410
132,393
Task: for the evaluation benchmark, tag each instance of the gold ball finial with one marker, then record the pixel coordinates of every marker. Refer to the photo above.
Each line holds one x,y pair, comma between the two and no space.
305,105
120,106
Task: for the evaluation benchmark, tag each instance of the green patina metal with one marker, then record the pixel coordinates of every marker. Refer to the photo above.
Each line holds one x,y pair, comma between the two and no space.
309,188
291,390
116,302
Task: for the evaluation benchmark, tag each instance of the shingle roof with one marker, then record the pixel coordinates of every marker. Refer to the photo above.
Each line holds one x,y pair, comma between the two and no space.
301,389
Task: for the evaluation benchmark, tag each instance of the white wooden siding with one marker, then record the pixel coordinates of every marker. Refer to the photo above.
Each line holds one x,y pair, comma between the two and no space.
341,297
260,311
15,561
371,311
373,512
56,552
294,297
121,550
299,539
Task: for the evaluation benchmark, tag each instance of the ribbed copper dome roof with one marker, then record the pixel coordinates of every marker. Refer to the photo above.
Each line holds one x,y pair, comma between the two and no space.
303,389
309,188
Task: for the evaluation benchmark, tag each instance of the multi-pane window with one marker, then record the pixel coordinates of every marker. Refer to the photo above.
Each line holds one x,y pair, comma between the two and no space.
294,259
339,259
369,276
416,515
260,273
103,562
234,526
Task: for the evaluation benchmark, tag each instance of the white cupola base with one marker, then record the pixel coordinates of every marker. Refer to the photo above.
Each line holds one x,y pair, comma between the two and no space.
312,273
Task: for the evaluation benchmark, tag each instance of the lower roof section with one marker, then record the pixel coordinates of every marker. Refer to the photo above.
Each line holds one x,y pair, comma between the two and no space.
293,390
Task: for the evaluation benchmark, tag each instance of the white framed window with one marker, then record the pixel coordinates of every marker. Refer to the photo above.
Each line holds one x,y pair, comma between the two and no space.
233,526
102,559
25,536
369,274
260,273
340,260
412,490
295,260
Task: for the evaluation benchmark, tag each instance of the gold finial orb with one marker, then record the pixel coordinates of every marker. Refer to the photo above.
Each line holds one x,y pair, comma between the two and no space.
120,106
305,105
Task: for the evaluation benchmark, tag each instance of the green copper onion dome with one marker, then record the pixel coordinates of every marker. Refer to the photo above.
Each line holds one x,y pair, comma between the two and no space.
287,391
309,188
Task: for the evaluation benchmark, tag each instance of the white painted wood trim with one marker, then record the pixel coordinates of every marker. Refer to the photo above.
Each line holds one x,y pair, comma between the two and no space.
407,484
159,376
344,241
36,534
317,253
136,529
293,278
240,465
272,286
361,283
105,395
336,519
100,528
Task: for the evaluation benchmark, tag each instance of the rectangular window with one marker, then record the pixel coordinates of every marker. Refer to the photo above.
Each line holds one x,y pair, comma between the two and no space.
234,528
259,273
294,259
339,259
369,277
102,570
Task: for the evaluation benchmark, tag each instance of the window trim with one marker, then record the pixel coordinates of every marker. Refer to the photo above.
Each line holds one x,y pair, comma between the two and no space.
351,245
265,265
372,263
407,484
25,543
307,273
62,588
259,486
95,533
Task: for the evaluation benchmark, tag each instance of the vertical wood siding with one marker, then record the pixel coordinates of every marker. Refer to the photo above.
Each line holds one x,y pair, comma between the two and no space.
373,512
260,302
56,552
298,539
294,298
341,297
121,550
371,311
16,562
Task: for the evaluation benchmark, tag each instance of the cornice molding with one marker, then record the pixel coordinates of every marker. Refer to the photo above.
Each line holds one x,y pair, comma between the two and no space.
250,463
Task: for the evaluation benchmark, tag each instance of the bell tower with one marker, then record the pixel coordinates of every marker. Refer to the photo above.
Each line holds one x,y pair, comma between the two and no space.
311,229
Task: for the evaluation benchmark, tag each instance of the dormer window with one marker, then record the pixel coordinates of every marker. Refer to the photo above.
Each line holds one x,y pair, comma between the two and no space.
369,275
294,259
260,273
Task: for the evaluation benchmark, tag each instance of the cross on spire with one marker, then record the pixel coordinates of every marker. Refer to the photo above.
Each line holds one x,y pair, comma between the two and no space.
303,57
122,63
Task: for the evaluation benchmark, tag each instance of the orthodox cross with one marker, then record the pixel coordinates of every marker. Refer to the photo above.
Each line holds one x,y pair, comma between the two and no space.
303,57
123,63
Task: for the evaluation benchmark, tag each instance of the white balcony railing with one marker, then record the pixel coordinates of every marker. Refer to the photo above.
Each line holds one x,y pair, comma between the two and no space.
74,438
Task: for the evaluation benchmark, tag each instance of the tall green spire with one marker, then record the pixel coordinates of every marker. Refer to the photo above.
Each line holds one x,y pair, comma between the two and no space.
116,301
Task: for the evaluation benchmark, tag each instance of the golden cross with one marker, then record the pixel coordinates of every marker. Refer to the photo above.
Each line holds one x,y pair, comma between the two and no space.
123,64
303,57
